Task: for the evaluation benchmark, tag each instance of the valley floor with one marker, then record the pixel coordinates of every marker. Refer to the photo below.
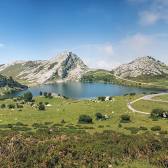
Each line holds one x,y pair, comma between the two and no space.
54,137
69,110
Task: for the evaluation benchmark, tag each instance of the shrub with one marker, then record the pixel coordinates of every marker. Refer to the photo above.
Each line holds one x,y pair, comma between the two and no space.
53,162
102,98
85,119
132,94
45,94
46,103
163,132
110,98
159,113
125,118
41,107
62,121
133,130
119,125
143,128
3,105
28,96
156,128
99,116
11,106
19,105
49,95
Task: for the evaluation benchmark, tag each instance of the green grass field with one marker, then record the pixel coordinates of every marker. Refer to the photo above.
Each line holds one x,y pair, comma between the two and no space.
39,138
69,110
163,97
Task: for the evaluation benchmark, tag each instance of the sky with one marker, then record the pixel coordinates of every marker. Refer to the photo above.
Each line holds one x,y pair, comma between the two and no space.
104,33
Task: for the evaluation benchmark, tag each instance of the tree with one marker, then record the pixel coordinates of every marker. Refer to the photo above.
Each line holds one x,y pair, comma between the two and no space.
28,96
41,93
49,95
45,94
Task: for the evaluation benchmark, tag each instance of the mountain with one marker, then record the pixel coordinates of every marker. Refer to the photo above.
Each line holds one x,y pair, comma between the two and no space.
143,66
8,85
65,66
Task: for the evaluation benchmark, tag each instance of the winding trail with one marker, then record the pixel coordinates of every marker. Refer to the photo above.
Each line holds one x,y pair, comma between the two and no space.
146,97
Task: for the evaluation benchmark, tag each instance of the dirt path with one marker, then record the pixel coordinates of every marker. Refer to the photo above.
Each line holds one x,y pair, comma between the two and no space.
147,97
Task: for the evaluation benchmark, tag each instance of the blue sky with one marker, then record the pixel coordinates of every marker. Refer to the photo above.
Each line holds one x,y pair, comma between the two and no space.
104,33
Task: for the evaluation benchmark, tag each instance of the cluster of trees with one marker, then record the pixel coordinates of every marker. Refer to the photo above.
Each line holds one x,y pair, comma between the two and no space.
46,94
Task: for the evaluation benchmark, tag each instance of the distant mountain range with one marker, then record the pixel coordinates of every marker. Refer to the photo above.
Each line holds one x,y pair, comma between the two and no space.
68,66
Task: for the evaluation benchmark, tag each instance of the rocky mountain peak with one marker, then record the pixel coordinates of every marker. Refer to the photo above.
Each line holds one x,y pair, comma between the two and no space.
142,66
65,66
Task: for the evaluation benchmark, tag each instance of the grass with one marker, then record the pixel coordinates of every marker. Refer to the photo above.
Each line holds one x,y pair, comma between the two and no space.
163,97
40,138
69,110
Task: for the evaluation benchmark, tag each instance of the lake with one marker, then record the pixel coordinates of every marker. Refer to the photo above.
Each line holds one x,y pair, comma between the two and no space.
84,90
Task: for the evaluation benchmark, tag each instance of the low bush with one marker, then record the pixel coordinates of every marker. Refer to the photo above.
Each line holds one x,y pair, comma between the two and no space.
41,107
133,130
132,94
156,128
125,118
163,132
99,116
3,105
143,128
11,106
85,119
102,98
158,113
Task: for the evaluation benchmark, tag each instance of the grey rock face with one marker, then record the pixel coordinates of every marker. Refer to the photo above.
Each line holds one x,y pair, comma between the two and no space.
65,66
141,66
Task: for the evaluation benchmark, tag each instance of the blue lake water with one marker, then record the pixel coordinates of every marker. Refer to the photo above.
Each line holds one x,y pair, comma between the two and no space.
84,90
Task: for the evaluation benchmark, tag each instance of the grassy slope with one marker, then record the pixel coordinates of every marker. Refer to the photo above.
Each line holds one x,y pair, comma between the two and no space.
107,76
163,97
14,71
70,110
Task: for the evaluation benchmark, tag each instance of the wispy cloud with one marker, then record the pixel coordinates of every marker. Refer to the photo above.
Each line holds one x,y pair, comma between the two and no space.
2,45
97,55
154,11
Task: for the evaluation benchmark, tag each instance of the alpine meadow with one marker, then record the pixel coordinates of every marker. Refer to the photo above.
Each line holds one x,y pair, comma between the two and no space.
84,84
